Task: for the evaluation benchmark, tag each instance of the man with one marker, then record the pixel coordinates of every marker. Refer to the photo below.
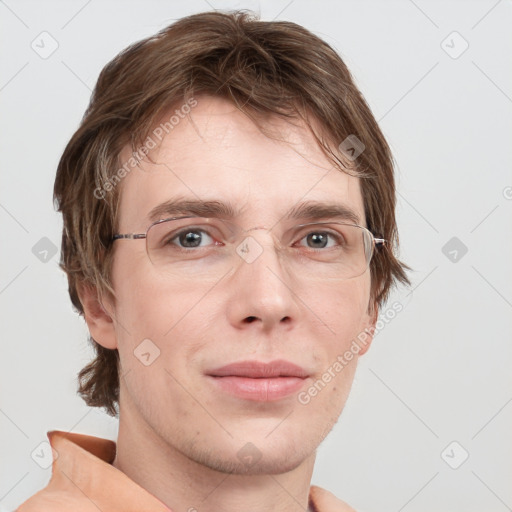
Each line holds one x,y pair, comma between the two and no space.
229,235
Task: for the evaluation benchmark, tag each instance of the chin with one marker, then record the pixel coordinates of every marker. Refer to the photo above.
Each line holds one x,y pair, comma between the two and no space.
270,463
254,455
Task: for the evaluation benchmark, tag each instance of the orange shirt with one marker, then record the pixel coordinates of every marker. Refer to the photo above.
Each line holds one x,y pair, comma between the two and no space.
84,480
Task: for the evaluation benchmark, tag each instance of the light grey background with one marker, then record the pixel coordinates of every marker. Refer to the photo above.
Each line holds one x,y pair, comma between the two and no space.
438,372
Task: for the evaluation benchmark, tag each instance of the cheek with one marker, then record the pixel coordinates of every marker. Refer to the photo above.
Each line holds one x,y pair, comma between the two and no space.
144,302
151,311
344,309
167,314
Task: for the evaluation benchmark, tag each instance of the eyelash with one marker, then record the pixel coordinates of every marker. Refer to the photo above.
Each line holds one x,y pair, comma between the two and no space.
333,235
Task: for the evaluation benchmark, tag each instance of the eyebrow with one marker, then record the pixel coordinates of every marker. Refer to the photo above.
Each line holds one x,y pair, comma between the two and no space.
306,210
316,210
175,207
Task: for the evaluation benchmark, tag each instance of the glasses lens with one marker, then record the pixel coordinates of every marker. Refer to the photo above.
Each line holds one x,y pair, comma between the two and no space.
190,244
195,247
331,250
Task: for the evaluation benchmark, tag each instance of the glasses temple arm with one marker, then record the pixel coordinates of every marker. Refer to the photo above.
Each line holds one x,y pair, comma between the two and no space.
129,236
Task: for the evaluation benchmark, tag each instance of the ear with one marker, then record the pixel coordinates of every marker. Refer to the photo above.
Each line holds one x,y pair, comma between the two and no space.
369,329
99,320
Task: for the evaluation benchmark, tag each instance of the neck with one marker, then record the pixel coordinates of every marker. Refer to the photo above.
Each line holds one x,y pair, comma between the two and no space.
184,484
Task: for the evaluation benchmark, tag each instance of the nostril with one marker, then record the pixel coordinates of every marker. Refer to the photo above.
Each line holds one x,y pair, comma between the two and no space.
250,319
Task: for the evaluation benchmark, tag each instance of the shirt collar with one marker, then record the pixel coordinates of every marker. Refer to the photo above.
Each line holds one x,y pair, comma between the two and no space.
83,467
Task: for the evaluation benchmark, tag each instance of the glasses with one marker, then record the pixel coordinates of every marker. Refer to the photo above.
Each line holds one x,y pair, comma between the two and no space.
202,248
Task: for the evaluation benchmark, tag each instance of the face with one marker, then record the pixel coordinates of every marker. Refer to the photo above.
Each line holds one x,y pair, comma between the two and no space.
259,311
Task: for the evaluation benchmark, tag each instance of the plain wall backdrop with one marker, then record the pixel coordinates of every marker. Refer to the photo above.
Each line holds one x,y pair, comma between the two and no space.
427,426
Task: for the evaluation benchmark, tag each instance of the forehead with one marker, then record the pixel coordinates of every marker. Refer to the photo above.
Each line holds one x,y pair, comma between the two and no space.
218,154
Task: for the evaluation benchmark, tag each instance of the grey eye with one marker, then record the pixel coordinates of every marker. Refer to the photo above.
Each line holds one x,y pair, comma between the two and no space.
189,238
321,240
317,240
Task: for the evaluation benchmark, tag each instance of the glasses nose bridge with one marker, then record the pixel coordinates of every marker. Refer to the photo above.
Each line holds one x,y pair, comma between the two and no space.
253,246
275,240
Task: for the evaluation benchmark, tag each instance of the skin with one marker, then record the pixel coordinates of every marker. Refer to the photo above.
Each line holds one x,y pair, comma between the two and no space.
178,435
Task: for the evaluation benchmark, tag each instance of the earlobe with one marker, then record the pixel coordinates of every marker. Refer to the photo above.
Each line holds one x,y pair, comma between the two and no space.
99,320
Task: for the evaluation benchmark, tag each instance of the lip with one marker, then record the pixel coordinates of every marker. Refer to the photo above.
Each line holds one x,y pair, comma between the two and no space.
258,370
262,382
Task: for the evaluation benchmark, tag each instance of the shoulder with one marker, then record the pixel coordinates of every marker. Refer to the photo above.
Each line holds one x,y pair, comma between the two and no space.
325,501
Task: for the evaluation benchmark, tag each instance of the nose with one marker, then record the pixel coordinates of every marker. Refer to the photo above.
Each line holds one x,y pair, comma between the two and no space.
262,293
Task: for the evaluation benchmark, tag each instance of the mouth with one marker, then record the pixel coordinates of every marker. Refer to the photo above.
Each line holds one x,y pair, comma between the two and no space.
262,382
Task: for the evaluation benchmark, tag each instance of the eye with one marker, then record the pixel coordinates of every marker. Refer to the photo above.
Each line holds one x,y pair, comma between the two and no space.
321,240
191,238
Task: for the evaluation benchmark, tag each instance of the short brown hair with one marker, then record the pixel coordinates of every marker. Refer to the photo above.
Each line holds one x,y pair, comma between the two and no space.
265,68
